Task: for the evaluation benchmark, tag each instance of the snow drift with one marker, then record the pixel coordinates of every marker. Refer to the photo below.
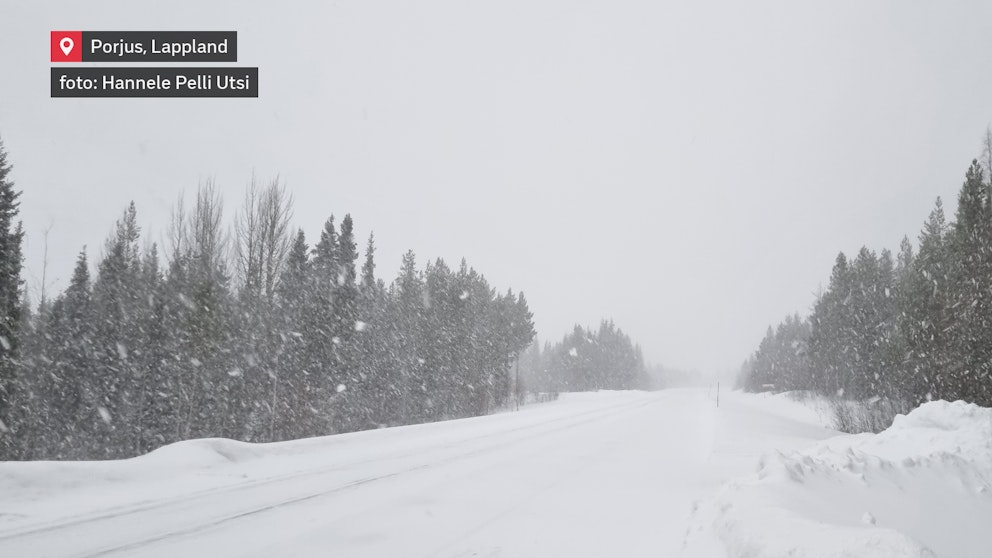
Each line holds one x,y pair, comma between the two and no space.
921,488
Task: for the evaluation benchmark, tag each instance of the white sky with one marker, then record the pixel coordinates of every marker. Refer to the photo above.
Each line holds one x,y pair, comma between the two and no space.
688,168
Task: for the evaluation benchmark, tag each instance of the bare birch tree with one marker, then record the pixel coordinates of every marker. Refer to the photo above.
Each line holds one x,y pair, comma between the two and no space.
263,239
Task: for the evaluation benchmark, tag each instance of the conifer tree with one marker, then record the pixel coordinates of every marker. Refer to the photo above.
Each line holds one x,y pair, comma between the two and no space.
925,313
11,237
970,374
408,310
322,341
373,381
832,332
116,334
352,405
368,268
293,417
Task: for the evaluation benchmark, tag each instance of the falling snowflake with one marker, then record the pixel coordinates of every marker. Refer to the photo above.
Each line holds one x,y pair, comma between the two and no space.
340,388
3,427
104,414
195,361
5,342
122,351
185,301
360,325
234,373
464,295
336,340
573,351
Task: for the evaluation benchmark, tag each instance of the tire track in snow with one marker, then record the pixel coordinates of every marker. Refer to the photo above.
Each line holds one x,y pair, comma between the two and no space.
48,531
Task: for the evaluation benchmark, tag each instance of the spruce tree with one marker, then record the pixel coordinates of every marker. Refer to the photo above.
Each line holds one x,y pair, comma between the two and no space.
115,317
298,395
926,317
351,404
833,332
368,268
970,375
322,342
409,309
11,237
373,372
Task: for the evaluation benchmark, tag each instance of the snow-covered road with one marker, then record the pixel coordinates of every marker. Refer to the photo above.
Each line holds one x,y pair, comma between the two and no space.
605,474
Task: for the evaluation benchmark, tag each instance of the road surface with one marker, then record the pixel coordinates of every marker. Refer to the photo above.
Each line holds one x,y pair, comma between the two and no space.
603,474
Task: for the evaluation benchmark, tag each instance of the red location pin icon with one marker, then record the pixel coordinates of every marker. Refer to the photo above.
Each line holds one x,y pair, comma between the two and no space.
67,46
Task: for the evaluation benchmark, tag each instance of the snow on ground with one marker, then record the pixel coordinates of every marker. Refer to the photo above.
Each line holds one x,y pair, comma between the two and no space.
599,474
923,487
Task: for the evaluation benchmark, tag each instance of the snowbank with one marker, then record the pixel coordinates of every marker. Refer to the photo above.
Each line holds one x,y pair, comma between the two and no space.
921,488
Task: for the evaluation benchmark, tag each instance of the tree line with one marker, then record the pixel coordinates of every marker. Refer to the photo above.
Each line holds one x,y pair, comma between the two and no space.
911,327
251,334
585,360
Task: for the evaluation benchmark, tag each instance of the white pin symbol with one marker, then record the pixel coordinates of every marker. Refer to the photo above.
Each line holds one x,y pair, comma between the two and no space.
66,43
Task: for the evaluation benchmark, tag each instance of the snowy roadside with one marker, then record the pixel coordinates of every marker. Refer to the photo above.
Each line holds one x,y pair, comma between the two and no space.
41,492
921,488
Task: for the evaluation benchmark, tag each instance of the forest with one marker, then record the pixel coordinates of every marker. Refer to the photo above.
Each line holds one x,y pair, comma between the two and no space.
900,328
251,334
585,360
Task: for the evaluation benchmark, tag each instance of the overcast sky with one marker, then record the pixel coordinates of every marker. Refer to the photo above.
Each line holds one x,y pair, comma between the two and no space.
689,169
